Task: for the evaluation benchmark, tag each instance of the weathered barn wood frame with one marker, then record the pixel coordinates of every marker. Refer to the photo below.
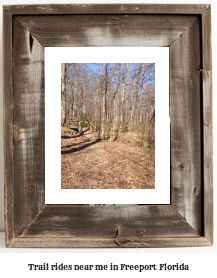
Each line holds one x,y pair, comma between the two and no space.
188,220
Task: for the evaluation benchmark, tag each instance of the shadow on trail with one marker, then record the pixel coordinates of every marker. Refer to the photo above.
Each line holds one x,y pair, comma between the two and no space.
75,144
69,136
81,148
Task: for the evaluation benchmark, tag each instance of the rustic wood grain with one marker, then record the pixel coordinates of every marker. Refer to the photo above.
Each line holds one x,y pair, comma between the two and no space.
8,125
109,221
29,145
207,123
106,9
185,113
207,66
69,242
208,182
107,30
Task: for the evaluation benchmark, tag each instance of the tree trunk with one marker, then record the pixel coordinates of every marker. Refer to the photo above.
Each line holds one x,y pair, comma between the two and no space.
134,99
122,100
63,94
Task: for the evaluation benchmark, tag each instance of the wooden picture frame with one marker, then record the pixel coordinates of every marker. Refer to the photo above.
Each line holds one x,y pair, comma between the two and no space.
186,30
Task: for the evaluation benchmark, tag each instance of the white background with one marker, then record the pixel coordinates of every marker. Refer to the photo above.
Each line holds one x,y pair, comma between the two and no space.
53,192
202,259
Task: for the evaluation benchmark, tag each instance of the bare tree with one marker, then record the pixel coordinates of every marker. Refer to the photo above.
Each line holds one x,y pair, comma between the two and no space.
113,96
63,94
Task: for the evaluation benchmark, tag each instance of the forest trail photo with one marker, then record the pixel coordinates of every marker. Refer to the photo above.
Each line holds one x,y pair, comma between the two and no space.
108,126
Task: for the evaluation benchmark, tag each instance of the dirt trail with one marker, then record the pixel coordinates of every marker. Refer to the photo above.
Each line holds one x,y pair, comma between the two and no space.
88,162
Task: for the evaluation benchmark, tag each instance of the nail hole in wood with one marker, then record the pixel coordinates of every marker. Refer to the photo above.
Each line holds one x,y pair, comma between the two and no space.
30,42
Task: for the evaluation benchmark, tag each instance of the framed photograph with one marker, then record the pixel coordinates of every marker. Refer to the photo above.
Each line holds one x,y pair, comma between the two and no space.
104,105
131,154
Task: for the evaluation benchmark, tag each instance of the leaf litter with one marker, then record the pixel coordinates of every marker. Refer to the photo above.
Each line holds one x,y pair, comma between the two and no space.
90,163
